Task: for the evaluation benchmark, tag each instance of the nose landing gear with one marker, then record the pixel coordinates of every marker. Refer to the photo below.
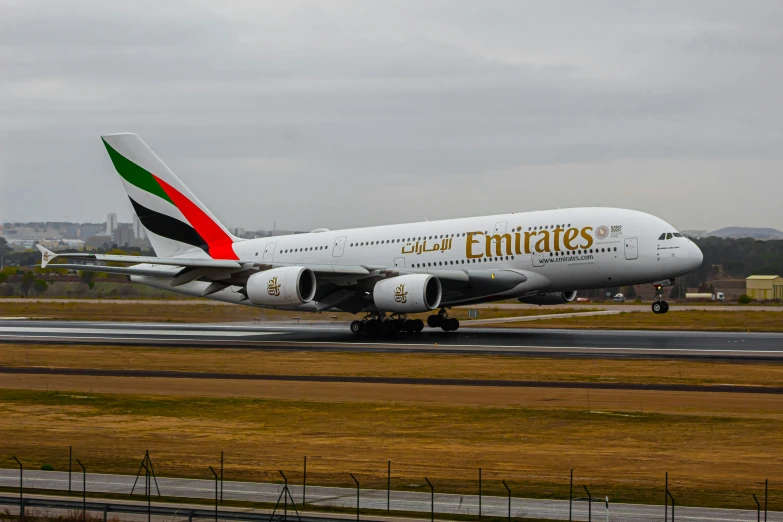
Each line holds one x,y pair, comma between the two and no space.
659,306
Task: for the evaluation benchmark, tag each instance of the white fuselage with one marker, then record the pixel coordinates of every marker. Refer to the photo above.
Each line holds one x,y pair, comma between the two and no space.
571,249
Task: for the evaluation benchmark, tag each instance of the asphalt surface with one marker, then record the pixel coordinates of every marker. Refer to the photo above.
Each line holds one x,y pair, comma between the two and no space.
372,499
319,336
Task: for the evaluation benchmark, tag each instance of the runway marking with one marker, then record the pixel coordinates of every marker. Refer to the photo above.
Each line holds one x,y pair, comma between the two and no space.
200,333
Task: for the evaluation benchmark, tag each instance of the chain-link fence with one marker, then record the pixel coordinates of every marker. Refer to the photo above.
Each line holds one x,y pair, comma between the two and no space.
313,488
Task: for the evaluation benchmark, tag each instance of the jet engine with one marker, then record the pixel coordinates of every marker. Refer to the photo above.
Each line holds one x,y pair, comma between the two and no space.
407,294
286,286
550,298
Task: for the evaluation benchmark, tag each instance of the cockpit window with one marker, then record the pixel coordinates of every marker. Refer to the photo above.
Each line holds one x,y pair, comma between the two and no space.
677,234
663,236
669,235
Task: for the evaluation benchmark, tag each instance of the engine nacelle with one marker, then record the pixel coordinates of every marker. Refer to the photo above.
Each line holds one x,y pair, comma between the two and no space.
407,294
287,286
550,298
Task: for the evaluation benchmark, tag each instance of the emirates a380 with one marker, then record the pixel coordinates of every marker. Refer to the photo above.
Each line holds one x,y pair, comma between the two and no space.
386,272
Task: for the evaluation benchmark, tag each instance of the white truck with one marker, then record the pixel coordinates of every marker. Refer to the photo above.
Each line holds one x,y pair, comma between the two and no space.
717,296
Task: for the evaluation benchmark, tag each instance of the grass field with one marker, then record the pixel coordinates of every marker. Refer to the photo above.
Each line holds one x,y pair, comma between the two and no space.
750,321
712,459
717,447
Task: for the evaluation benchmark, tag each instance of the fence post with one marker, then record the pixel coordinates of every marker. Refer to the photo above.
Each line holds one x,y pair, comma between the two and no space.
432,500
388,487
105,513
479,493
666,499
216,492
304,484
84,489
589,505
758,508
357,495
21,488
509,499
570,494
221,477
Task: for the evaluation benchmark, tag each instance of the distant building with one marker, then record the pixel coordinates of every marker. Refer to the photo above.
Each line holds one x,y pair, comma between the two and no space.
92,229
111,223
123,234
138,228
764,287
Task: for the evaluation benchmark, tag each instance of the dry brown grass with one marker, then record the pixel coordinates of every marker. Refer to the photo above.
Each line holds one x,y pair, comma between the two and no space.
717,447
750,321
394,365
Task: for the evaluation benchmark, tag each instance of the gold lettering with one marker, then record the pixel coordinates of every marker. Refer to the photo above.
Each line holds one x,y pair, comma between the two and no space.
528,235
469,245
586,235
543,240
558,231
570,235
517,243
499,239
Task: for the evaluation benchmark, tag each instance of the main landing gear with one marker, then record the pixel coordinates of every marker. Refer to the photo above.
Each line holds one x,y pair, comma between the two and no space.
442,320
659,306
379,324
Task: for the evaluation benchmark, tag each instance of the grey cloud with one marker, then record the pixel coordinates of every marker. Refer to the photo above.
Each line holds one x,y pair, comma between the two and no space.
454,108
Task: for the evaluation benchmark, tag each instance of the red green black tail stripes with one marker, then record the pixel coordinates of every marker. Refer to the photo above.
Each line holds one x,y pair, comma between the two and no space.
199,230
167,226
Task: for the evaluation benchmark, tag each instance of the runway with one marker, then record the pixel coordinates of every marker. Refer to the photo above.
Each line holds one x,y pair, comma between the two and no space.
400,501
323,336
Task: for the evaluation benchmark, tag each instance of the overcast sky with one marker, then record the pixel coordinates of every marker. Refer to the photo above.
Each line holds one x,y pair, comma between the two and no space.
338,114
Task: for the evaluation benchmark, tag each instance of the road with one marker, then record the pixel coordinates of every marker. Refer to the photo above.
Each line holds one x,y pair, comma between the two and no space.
318,336
372,498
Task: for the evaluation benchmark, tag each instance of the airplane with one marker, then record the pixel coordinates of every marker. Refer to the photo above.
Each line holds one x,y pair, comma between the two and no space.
385,272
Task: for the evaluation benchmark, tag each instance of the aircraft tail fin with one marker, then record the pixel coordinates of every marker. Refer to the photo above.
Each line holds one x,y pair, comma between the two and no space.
175,220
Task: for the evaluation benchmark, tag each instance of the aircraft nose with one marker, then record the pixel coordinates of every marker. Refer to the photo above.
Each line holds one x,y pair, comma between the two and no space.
695,256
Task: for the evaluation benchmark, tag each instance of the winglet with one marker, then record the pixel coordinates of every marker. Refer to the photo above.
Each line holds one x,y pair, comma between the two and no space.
46,255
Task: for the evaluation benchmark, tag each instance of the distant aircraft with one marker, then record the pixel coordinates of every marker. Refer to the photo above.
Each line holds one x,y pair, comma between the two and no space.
386,272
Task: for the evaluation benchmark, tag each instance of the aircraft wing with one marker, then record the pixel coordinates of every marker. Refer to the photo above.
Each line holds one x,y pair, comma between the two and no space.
336,282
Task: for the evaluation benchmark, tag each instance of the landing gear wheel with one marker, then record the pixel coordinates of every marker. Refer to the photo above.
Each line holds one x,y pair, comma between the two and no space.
434,321
418,325
657,307
665,307
357,327
450,324
372,327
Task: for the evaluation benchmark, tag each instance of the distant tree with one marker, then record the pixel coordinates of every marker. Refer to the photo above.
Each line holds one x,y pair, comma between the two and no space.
27,282
744,299
89,278
40,286
4,248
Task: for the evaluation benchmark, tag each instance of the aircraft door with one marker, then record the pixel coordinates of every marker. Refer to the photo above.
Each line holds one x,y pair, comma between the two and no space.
269,252
631,248
399,261
500,228
339,247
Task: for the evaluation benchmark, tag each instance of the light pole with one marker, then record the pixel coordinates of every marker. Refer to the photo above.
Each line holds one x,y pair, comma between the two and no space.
21,488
